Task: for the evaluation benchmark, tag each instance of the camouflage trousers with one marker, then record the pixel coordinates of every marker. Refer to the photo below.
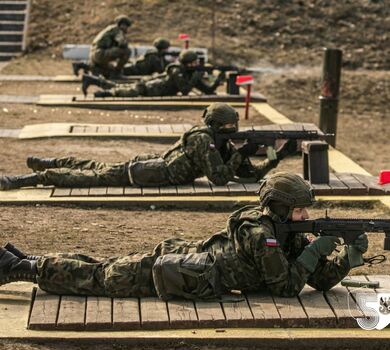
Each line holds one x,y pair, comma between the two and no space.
102,60
127,276
154,87
73,172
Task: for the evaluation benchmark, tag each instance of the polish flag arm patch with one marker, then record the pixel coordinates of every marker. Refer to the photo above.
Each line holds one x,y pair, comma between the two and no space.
271,242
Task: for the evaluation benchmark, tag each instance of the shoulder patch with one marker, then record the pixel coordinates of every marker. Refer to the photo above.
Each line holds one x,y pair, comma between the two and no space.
271,242
212,146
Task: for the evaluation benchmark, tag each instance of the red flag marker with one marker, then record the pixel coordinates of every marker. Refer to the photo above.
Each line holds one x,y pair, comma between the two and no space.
384,177
186,39
246,80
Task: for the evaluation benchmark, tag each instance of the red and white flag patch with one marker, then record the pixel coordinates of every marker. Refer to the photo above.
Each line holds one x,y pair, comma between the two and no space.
271,242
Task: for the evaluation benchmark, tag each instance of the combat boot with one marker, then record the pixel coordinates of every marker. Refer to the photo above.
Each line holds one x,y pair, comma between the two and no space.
18,253
41,164
77,66
103,94
88,80
12,182
13,269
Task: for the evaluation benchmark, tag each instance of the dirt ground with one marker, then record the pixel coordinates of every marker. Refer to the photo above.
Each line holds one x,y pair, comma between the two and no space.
287,39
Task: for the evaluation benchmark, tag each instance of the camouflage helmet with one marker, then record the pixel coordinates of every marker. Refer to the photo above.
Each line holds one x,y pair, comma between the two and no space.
122,19
218,114
161,43
281,192
187,56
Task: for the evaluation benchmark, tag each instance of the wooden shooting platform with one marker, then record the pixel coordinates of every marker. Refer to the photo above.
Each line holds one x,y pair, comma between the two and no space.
55,78
160,102
332,309
153,131
202,193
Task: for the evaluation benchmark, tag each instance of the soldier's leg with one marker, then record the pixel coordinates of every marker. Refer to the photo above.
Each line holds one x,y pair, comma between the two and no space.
124,55
129,276
109,176
127,90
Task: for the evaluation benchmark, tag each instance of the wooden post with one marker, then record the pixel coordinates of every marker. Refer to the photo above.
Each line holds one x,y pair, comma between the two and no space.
247,101
330,93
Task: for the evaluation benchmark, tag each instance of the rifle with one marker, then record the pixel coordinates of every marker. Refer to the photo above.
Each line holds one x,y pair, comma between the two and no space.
222,68
347,229
268,137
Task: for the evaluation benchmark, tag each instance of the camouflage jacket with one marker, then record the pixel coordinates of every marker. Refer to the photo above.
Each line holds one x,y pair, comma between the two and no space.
195,155
111,36
177,79
251,259
151,62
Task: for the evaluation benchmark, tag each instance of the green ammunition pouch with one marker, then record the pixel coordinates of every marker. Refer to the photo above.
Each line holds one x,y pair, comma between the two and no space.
151,172
190,276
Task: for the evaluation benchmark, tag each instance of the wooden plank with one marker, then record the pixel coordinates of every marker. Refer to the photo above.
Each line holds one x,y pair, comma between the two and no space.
44,310
251,188
90,129
236,188
125,314
77,192
210,314
99,313
61,192
150,191
72,312
219,190
238,313
115,191
264,310
141,129
338,187
154,313
97,191
202,187
317,309
103,129
168,190
78,129
133,191
355,187
322,189
178,128
291,312
153,128
343,306
166,128
371,182
182,314
185,189
384,281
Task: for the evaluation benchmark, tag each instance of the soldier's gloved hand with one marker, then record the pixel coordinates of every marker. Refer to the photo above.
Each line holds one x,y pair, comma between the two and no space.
361,243
290,147
248,149
321,246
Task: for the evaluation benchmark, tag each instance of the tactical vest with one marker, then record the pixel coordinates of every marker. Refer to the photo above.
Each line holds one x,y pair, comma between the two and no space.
180,165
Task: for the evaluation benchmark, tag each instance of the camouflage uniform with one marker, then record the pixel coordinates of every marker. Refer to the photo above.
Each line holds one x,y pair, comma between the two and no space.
175,79
109,45
193,156
244,261
152,62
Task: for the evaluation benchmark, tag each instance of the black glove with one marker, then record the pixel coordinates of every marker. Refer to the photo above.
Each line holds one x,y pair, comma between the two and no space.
221,77
248,149
290,147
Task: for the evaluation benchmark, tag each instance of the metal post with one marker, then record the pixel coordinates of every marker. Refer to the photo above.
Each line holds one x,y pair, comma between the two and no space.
247,100
186,44
329,98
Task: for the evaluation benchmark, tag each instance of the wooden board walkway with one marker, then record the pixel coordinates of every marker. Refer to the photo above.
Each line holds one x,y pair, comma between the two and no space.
202,193
55,78
155,131
333,309
160,102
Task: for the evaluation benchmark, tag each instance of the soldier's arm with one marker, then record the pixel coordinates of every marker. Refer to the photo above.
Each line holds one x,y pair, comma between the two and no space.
201,149
329,272
282,277
183,85
106,41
